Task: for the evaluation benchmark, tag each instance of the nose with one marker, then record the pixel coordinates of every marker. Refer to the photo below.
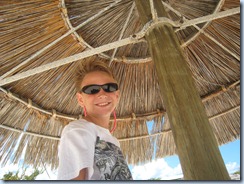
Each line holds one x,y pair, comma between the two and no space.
102,94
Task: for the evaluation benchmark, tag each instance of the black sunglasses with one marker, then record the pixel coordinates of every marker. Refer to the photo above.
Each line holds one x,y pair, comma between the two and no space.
94,88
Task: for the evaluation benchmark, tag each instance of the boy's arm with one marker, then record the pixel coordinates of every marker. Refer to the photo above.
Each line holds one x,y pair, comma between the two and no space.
82,175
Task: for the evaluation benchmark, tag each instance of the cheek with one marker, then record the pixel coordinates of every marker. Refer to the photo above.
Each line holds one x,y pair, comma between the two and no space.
115,98
87,100
117,94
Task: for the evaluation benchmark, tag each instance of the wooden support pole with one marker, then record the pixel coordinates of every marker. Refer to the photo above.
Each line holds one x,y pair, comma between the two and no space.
195,142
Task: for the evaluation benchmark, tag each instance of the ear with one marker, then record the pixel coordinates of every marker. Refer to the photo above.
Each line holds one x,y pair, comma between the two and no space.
80,99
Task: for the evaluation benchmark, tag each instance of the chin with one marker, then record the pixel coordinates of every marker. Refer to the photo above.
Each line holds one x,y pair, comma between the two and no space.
104,112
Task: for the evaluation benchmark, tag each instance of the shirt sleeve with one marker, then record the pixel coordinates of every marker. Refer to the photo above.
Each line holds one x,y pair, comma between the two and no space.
76,151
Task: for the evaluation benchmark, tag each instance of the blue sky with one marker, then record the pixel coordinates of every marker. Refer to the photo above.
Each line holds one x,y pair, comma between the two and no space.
169,168
230,153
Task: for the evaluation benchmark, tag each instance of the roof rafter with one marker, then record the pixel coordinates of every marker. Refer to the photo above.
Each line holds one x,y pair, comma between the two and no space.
64,13
217,9
120,139
122,32
201,30
130,40
72,30
28,103
67,60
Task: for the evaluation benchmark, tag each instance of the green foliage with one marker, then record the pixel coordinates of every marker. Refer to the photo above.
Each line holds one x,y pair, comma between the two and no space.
237,172
33,175
155,179
11,176
17,176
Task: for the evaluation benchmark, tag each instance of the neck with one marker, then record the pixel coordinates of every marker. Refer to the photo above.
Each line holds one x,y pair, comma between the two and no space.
101,121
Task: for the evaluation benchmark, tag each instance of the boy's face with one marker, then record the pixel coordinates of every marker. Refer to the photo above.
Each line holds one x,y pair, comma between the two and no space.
102,103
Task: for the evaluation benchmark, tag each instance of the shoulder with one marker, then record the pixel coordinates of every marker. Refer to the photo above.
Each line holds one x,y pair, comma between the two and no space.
78,134
79,127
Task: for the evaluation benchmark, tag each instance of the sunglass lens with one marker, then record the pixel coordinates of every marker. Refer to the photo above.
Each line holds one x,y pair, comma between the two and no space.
111,87
91,90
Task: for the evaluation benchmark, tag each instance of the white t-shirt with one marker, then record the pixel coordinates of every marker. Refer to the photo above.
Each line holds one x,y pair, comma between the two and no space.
86,145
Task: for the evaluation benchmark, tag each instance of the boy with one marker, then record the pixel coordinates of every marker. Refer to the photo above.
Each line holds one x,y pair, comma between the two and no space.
87,150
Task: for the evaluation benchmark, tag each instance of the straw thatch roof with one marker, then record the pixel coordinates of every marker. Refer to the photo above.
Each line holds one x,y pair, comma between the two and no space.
42,43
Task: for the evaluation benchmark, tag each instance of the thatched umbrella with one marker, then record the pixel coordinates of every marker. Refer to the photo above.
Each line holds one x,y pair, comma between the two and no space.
42,43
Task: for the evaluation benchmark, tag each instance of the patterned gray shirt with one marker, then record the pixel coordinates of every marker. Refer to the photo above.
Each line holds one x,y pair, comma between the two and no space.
110,161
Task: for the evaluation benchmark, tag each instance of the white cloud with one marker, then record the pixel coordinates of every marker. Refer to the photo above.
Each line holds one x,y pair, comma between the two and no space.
47,175
156,169
232,167
8,168
160,169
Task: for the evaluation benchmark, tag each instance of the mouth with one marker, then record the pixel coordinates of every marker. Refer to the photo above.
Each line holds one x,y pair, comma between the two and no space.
104,104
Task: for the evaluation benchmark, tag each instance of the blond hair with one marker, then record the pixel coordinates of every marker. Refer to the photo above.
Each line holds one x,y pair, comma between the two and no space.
90,66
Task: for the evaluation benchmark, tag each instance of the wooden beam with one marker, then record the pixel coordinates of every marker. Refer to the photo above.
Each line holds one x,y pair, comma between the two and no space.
71,31
220,91
120,139
136,38
195,141
67,60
